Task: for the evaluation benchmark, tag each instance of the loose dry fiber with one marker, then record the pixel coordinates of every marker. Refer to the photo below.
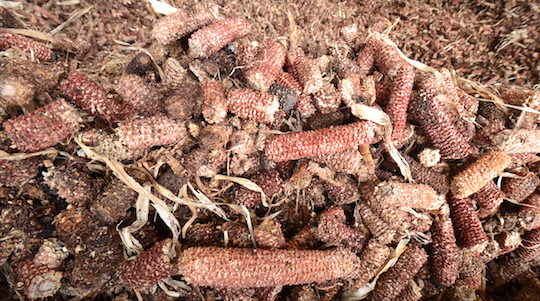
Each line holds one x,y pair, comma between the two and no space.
298,145
253,105
44,127
151,131
240,268
179,24
210,39
92,98
479,173
40,50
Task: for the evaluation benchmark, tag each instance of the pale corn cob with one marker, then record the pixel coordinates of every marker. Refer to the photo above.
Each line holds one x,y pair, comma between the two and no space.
179,24
175,74
151,131
508,242
397,194
396,279
489,198
147,269
239,268
345,191
256,106
215,105
210,39
305,106
268,235
270,182
479,173
266,66
519,189
349,161
327,99
308,74
444,255
40,50
142,97
467,225
110,146
16,89
519,159
373,256
429,157
297,145
92,98
44,127
517,141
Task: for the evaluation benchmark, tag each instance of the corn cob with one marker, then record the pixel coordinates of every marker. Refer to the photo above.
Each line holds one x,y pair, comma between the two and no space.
39,280
517,141
345,191
327,99
380,229
297,145
467,225
266,66
519,189
151,131
214,101
44,127
16,173
270,182
114,202
40,50
256,106
529,217
268,235
240,268
92,98
333,230
141,96
427,176
373,256
75,186
489,198
444,256
210,39
403,194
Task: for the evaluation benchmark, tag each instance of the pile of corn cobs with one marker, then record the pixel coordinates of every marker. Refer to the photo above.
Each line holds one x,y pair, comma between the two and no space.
276,174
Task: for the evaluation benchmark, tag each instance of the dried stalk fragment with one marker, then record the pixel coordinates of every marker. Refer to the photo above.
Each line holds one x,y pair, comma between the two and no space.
147,269
40,50
373,256
396,279
92,98
151,131
397,194
240,268
270,182
444,255
215,104
297,145
179,24
467,225
44,127
256,106
479,173
266,66
489,198
142,97
518,141
210,39
518,189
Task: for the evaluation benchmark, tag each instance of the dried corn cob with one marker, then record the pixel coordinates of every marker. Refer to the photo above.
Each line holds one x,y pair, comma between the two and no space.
239,268
179,106
380,229
17,172
305,106
238,235
16,89
519,159
75,186
429,157
308,74
427,176
508,242
40,50
287,80
467,225
403,194
479,173
210,39
489,198
348,161
270,182
151,131
396,279
113,204
215,104
141,96
109,145
266,66
175,74
44,127
471,270
257,106
39,280
345,191
444,256
179,24
333,230
518,141
529,217
517,262
373,256
268,235
149,267
297,145
327,99
92,98
519,189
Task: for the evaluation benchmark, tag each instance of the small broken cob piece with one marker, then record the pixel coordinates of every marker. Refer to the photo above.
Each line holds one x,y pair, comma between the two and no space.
210,39
253,105
266,66
38,49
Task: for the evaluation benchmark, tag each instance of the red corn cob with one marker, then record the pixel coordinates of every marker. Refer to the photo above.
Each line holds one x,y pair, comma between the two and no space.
266,67
489,198
519,159
297,145
444,256
428,176
142,97
151,131
92,98
308,74
327,99
305,106
530,249
380,229
396,279
175,75
518,141
239,268
373,256
333,230
467,225
399,102
479,173
208,40
17,172
529,217
75,186
257,106
471,270
288,80
395,194
40,50
44,127
149,267
519,189
270,182
345,191
214,101
179,24
268,235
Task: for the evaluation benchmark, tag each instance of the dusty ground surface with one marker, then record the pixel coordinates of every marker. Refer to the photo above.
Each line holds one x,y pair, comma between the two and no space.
491,42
